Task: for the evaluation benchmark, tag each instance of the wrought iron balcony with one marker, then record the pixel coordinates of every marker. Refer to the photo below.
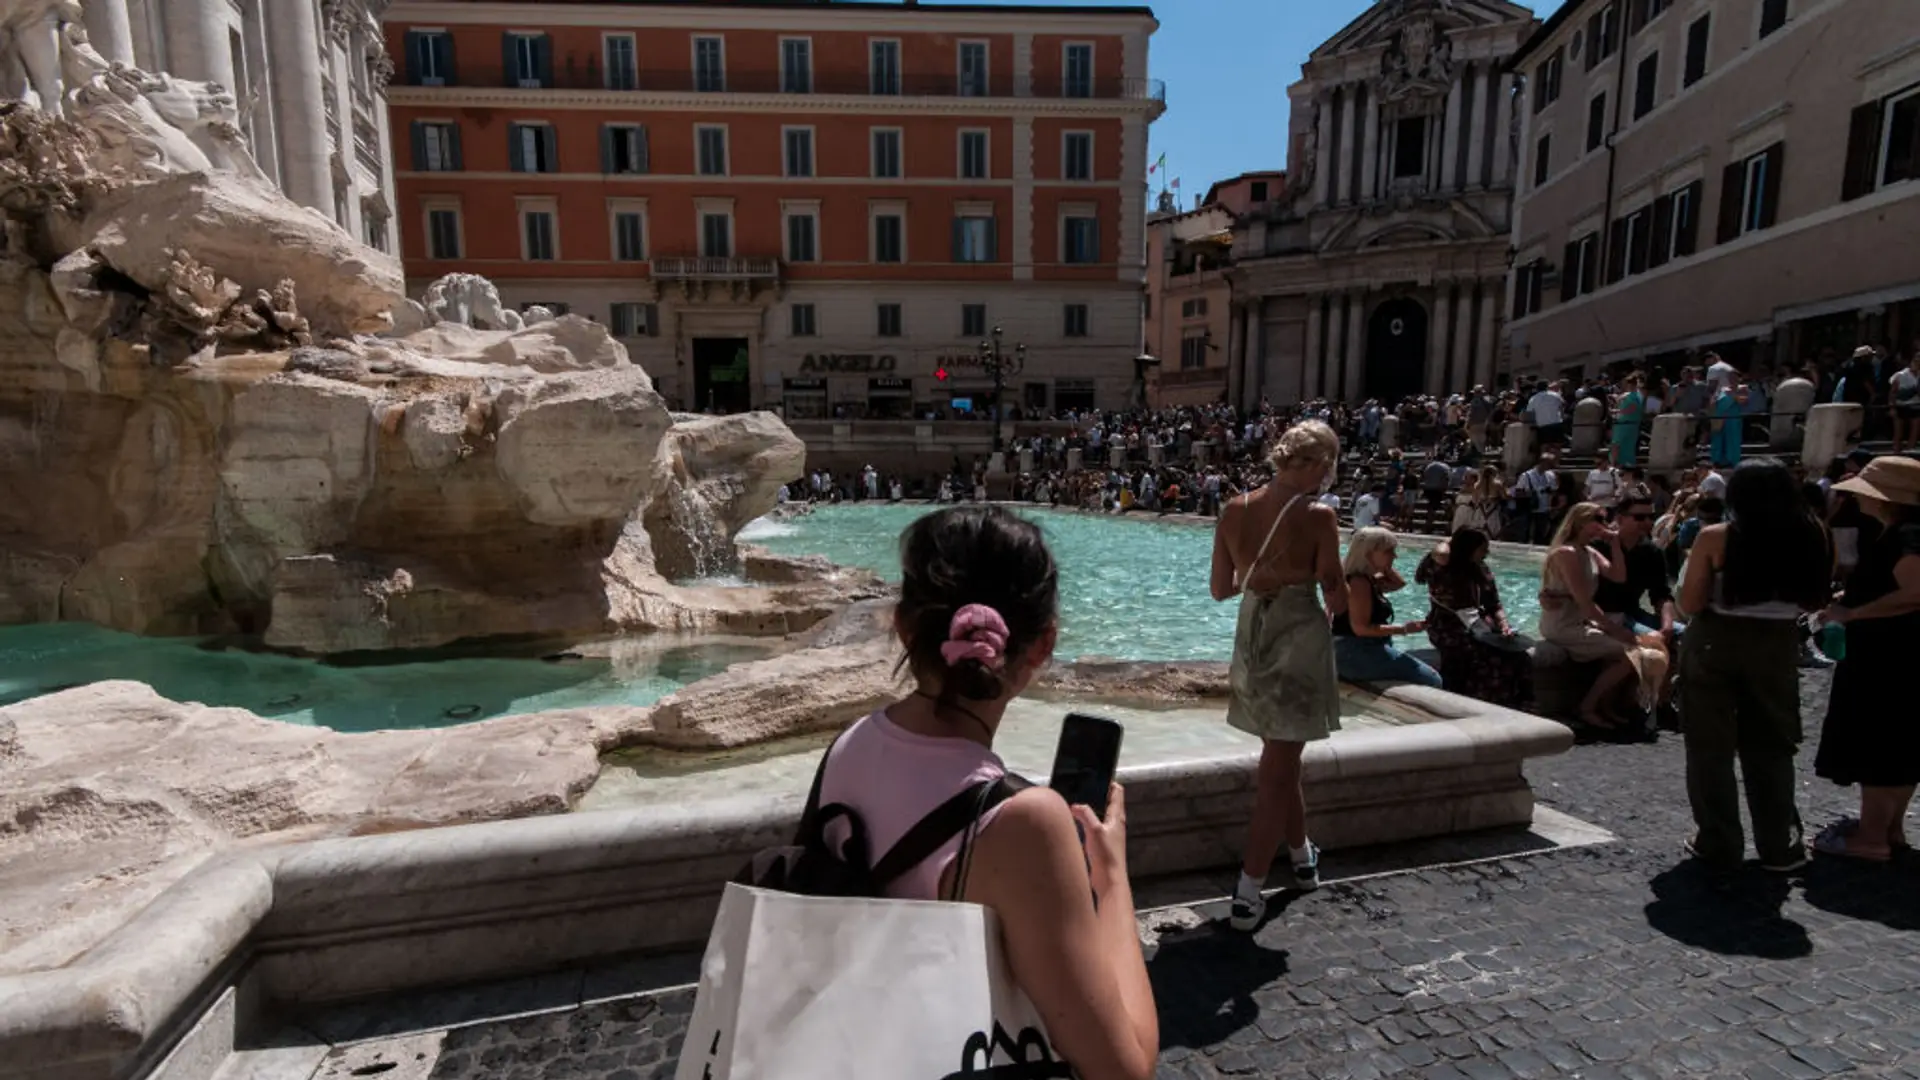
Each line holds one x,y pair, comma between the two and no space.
714,268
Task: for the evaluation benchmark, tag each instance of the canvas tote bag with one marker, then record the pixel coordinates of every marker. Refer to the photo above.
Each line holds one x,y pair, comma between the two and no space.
830,988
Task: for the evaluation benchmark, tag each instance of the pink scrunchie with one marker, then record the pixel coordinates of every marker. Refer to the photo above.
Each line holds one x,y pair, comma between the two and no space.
977,633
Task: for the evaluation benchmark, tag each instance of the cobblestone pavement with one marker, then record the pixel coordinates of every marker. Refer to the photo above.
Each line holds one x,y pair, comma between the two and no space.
1616,960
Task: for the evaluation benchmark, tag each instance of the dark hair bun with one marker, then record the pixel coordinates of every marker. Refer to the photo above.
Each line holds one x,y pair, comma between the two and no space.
973,555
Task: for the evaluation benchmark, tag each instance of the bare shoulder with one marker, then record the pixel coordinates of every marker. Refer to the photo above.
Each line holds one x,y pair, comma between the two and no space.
1036,817
1320,514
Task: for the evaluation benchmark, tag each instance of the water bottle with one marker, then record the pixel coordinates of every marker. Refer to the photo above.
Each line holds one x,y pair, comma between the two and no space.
1833,641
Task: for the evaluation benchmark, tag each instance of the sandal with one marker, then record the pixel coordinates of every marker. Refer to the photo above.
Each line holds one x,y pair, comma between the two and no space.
1848,826
1833,841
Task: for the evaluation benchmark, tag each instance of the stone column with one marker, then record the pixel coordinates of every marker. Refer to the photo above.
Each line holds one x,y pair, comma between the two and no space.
197,42
1076,459
1316,343
1026,461
1503,149
1517,452
1462,332
1253,382
1326,378
1669,451
1343,163
1356,351
1236,356
1450,146
1390,432
1440,341
293,43
1023,198
1323,151
110,30
1477,141
1489,347
1370,155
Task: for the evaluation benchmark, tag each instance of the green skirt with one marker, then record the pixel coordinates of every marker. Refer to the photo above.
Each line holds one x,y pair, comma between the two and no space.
1283,678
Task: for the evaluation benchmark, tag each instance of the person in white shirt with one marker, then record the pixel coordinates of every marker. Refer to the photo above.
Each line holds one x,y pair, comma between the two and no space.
1713,484
1549,411
1720,374
1535,495
1366,508
1331,501
1603,482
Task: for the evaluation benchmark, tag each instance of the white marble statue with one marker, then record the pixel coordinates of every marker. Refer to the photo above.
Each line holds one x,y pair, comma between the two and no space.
30,48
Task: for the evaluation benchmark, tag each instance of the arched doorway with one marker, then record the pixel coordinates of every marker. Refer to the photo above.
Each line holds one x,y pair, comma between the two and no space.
1396,350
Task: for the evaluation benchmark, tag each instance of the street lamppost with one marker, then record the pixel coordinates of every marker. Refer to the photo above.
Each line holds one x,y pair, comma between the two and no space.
1000,366
1141,364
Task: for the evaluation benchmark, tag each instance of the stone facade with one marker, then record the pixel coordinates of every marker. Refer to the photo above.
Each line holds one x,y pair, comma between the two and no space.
1382,274
1733,176
309,78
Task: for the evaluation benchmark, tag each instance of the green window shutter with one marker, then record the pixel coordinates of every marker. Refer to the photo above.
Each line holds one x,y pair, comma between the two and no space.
459,158
414,38
1863,150
515,160
606,148
1732,183
550,138
543,59
509,62
417,131
1776,175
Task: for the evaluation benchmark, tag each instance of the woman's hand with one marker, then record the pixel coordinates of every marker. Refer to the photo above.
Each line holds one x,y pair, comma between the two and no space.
1414,627
1106,841
1836,614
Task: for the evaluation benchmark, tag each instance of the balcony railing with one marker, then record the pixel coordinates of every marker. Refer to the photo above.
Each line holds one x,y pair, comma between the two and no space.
711,268
589,74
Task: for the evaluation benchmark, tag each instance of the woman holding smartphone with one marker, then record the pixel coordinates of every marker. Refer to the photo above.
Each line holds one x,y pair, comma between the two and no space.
1271,548
977,620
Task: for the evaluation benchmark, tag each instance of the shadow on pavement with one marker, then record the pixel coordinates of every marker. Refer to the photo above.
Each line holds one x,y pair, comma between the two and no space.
1734,913
1203,980
1885,893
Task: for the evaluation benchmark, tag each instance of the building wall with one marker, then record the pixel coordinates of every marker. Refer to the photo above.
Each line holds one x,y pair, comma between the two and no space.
1797,88
1026,287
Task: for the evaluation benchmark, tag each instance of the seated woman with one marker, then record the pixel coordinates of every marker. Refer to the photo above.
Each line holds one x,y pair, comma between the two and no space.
1480,655
1363,635
1570,619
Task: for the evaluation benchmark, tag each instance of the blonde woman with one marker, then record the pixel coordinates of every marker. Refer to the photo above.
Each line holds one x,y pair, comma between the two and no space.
1363,646
1493,501
1570,619
1272,546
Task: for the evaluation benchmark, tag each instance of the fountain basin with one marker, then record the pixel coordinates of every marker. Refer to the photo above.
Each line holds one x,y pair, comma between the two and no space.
255,931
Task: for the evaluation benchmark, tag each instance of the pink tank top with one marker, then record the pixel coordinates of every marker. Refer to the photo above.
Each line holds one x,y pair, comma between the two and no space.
893,777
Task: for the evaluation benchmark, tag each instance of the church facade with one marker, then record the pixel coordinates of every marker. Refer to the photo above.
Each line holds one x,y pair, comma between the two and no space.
1383,273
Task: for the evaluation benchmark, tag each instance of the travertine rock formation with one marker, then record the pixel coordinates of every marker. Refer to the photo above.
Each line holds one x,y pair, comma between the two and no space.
196,435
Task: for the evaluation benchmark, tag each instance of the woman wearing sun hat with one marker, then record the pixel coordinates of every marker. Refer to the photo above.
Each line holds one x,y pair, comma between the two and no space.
1870,736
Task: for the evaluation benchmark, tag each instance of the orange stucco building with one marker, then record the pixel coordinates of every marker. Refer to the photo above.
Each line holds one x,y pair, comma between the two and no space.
811,206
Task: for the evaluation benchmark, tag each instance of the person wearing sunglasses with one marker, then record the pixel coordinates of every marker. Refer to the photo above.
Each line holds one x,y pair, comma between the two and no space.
1643,601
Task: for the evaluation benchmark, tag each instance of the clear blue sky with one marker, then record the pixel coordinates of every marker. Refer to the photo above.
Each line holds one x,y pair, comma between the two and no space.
1227,65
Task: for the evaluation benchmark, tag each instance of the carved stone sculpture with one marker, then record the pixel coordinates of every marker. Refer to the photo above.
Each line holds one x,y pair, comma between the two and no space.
470,300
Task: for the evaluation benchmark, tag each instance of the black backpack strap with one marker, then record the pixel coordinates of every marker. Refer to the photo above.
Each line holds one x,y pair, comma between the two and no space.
942,824
812,809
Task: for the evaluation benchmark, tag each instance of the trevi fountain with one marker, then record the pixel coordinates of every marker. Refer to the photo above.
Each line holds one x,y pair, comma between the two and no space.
233,451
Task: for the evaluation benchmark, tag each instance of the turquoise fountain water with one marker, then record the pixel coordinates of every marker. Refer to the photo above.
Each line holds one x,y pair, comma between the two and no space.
1132,587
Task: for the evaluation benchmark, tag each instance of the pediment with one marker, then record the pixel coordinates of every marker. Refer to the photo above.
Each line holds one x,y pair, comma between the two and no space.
1379,25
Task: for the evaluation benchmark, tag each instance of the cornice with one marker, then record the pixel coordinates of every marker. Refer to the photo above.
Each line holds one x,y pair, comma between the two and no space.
928,20
506,97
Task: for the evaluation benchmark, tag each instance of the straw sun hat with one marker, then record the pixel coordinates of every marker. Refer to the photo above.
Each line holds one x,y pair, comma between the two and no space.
1889,479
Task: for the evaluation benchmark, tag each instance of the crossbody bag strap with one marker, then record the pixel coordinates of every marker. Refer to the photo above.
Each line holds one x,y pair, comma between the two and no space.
812,809
1271,531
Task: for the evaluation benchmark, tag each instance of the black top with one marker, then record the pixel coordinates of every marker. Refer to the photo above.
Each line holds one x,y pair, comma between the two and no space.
1873,579
1379,613
1646,577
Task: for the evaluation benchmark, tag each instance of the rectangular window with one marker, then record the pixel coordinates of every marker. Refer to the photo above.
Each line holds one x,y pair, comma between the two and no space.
973,239
887,317
711,143
803,237
973,69
532,148
623,148
623,63
709,64
528,56
796,66
629,236
1596,122
1773,16
1603,35
1082,243
1542,159
973,320
443,233
889,238
1076,156
1642,12
716,236
1193,351
799,151
886,153
1076,320
1646,85
631,319
436,146
1580,269
973,155
1529,280
1757,208
1639,240
536,230
1900,141
1257,191
1697,32
1077,71
1410,147
1546,79
883,66
429,58
800,321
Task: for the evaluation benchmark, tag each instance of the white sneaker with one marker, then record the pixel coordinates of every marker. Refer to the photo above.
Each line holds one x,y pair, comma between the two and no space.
1246,914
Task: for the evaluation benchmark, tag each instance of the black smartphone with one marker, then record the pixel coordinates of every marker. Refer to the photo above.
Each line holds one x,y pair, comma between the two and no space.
1084,764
